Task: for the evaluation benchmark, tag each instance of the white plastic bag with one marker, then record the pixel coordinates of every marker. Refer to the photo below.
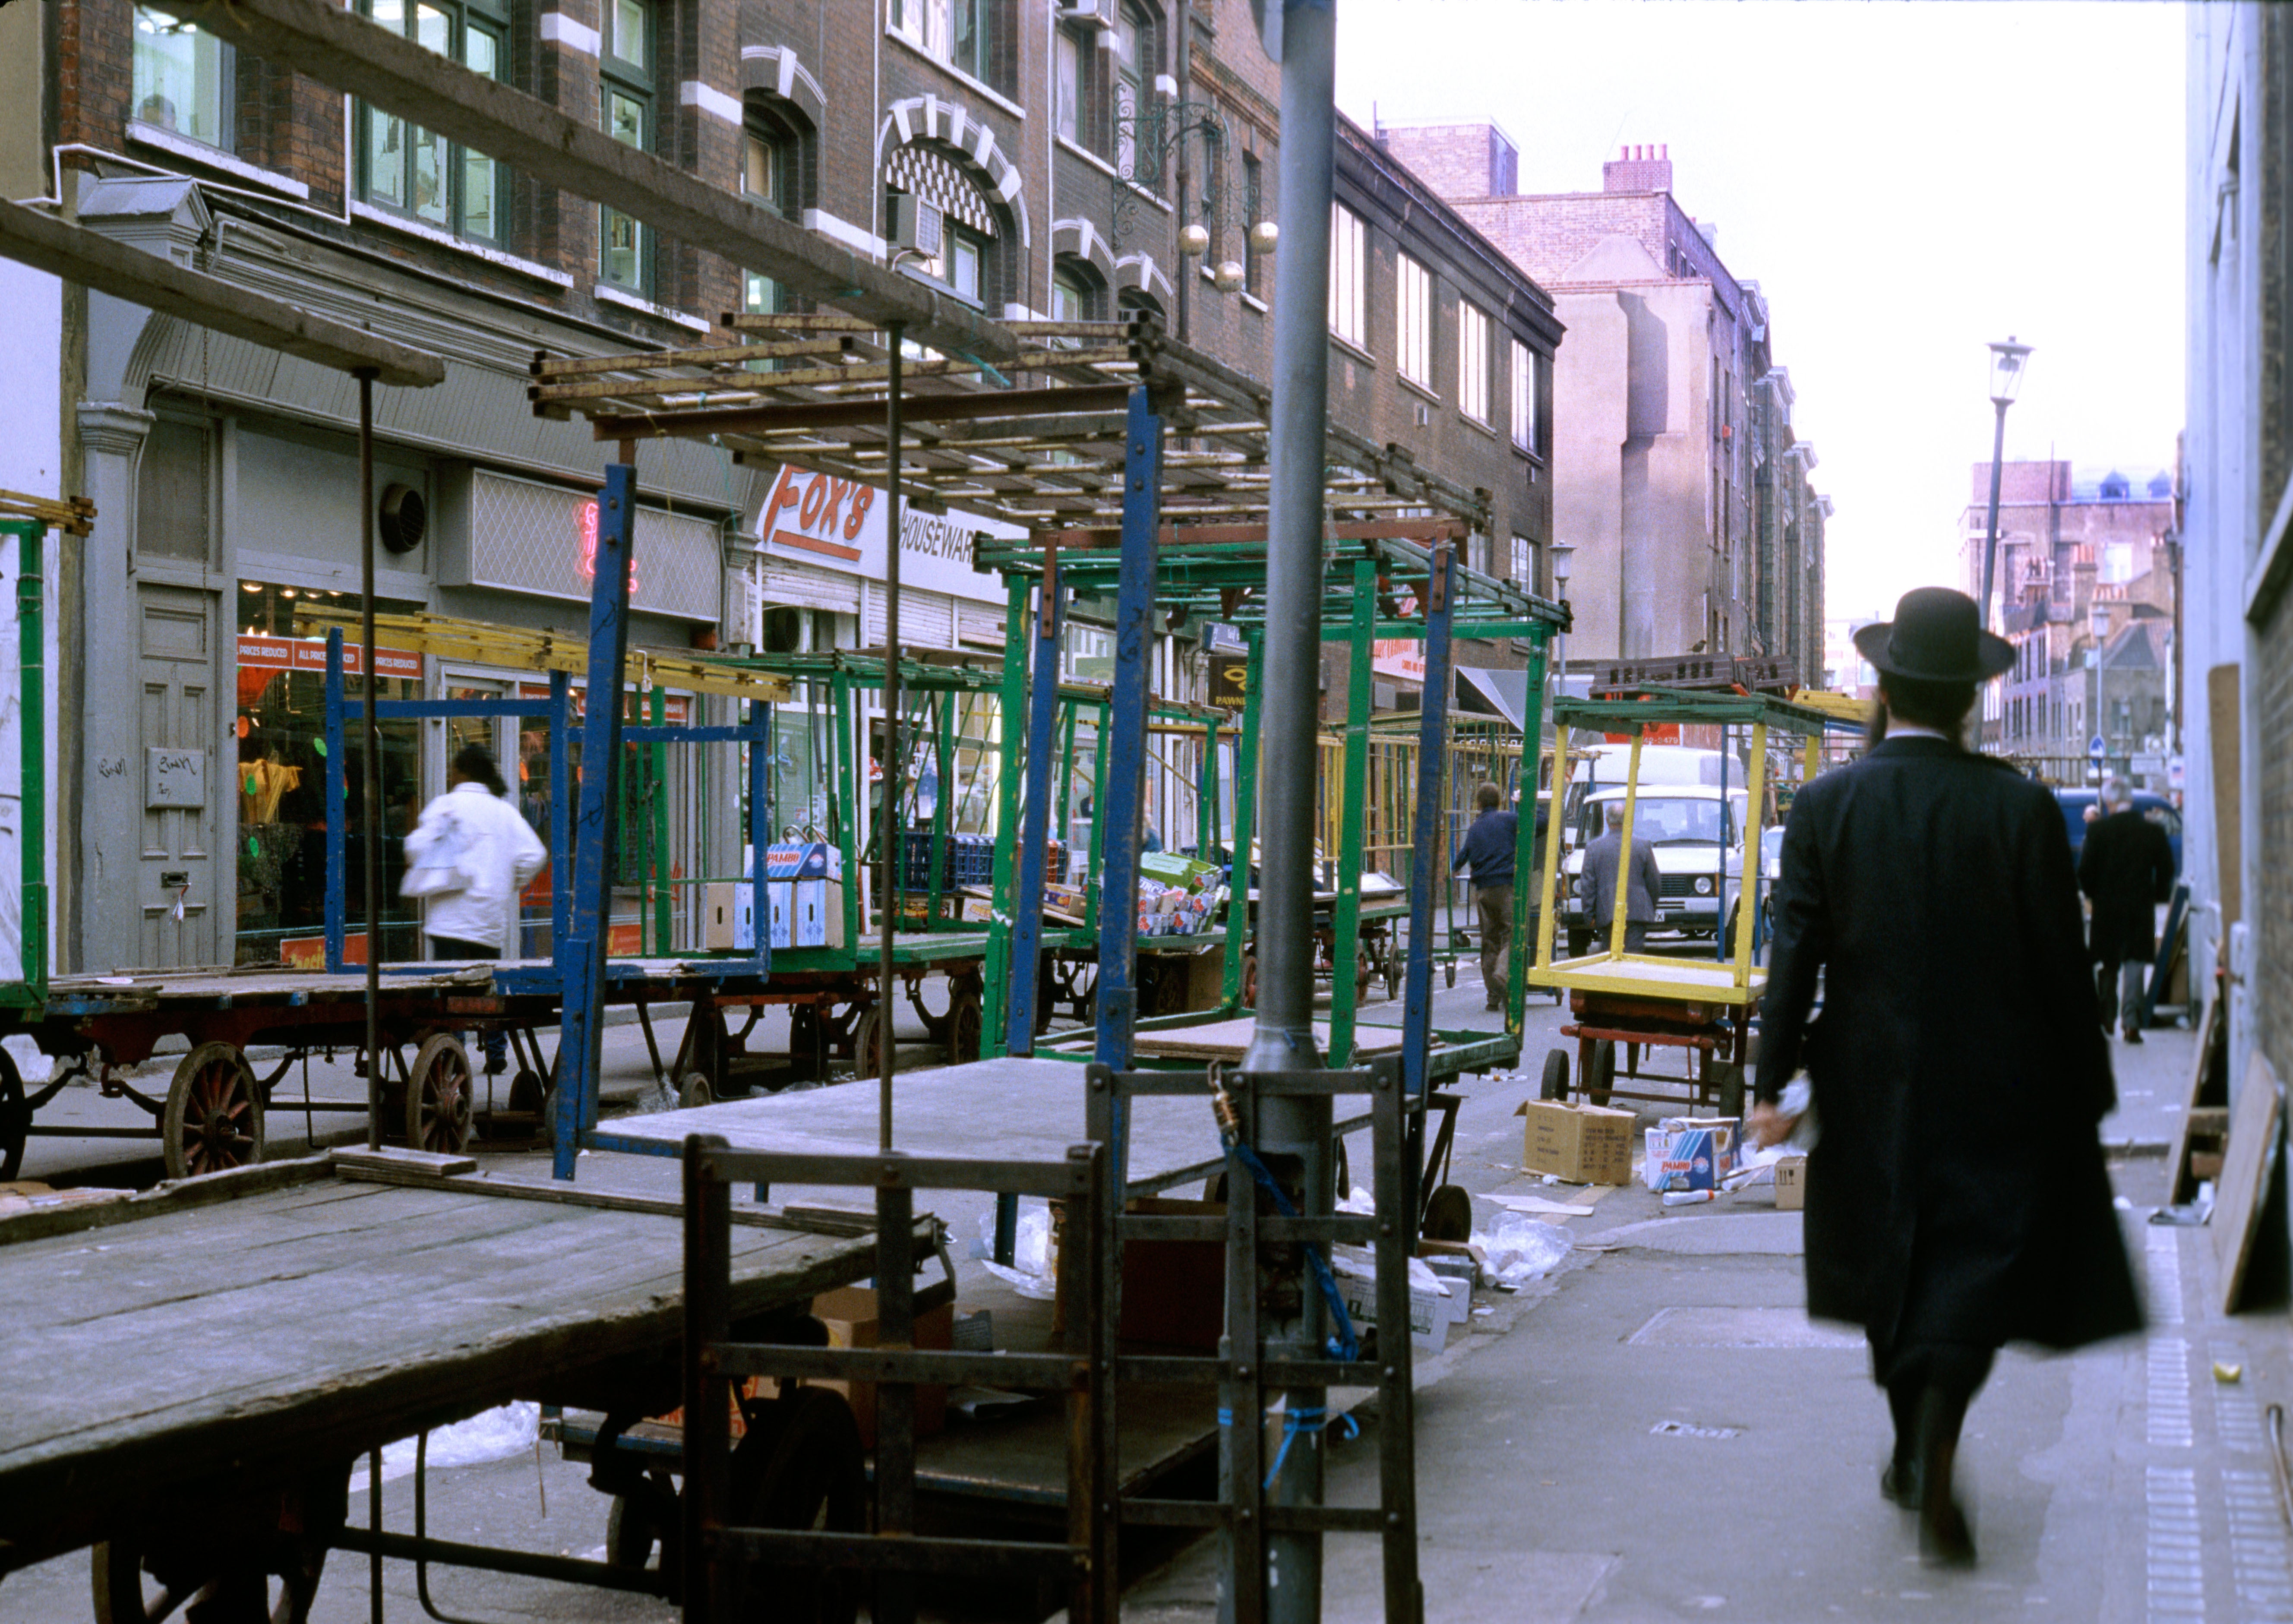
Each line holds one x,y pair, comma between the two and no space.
1030,1273
1522,1249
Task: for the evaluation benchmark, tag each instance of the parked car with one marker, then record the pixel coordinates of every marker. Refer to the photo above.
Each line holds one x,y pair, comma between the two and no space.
2154,806
1697,836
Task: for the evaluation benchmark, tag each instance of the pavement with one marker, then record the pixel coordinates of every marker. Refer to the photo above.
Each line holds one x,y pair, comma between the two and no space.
1655,1432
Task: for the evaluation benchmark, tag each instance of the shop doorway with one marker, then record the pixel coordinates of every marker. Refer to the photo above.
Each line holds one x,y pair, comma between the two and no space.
179,728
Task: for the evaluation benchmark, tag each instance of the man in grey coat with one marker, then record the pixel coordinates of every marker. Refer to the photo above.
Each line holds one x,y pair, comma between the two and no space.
1602,860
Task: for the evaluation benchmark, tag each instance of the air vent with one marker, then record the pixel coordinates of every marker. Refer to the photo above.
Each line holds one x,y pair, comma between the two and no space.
909,223
404,518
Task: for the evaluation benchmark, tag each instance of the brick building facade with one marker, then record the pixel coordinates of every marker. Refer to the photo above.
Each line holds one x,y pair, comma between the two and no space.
1065,148
2085,583
1676,473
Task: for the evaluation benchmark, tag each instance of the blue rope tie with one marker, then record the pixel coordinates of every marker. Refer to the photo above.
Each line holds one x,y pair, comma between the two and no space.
1345,1345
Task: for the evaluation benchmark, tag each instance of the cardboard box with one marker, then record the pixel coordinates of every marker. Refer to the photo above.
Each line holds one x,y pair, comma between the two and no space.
1174,1291
728,922
1431,1312
1791,1185
849,1313
1585,1144
1687,1153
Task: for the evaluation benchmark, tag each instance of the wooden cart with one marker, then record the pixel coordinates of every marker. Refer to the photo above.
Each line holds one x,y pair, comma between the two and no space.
1625,1007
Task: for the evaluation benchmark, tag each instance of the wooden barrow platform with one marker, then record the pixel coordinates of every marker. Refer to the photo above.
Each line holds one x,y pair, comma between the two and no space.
191,1373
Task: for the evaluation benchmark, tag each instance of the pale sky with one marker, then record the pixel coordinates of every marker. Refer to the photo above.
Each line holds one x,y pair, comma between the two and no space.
1905,180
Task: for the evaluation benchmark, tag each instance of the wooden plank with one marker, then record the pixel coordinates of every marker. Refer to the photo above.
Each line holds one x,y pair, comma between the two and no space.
808,1221
398,1158
319,1351
171,1196
92,260
2246,1171
1229,1040
2211,1035
2225,732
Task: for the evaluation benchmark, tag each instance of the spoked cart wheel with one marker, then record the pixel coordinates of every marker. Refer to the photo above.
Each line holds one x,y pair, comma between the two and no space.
867,1042
439,1096
966,1017
15,1117
213,1117
241,1560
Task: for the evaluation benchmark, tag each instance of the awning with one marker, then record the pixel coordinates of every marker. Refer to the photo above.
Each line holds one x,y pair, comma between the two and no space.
1505,692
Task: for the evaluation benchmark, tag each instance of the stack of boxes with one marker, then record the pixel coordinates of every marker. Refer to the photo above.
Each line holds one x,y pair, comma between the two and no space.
803,897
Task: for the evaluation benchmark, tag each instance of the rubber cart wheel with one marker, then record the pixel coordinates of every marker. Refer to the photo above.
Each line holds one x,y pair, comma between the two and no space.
213,1117
630,1532
867,1043
1600,1076
15,1117
1393,969
1448,1214
967,1024
1555,1085
1449,973
806,1473
439,1096
694,1091
526,1093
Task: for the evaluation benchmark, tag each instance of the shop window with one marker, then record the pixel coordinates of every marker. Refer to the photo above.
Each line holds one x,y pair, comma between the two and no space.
1414,320
174,511
1348,277
414,171
1473,361
281,728
1524,396
625,102
182,78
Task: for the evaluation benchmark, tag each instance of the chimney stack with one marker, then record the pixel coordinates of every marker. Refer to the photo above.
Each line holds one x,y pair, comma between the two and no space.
1638,168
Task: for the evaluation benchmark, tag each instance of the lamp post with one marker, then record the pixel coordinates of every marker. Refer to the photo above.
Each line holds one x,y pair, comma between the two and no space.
2007,363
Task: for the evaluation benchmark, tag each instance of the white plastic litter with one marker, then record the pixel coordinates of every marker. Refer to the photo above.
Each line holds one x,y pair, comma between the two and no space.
1029,1273
1361,1201
492,1435
1521,1249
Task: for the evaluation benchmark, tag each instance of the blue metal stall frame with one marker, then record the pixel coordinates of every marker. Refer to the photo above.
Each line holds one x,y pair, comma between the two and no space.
580,972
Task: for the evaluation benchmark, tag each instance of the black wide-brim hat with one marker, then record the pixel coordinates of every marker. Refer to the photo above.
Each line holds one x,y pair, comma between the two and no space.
1936,636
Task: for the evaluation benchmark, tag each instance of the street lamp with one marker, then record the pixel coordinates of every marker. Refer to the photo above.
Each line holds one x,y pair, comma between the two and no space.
2007,360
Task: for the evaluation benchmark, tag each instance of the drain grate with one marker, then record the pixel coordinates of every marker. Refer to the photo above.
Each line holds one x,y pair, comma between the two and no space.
1740,1328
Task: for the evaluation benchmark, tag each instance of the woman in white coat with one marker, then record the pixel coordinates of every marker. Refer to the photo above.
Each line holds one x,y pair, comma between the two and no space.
469,858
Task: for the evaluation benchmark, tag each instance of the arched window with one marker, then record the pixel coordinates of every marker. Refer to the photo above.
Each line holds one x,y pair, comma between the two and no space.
1078,291
976,240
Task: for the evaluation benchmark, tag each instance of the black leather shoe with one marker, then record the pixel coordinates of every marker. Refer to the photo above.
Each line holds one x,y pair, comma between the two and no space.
1898,1481
2132,1034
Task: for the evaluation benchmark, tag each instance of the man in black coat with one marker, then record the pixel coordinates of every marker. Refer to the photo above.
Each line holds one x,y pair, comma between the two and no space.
2125,869
1956,1195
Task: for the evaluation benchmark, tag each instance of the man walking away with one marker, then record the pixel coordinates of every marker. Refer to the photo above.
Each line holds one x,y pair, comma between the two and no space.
2126,870
1956,1197
1488,853
1603,859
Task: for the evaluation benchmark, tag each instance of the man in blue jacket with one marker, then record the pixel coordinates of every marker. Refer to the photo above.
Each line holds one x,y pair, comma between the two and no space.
1488,853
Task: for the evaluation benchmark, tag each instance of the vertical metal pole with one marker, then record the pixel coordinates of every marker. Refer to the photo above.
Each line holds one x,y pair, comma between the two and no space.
1034,821
1353,797
1012,701
760,832
708,1399
337,805
1521,951
1990,531
32,756
580,1047
662,876
1720,871
1239,922
1123,754
371,774
1428,847
895,1402
561,814
1295,1129
888,844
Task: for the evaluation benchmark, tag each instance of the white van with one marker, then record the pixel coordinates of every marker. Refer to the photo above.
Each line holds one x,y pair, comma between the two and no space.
1698,832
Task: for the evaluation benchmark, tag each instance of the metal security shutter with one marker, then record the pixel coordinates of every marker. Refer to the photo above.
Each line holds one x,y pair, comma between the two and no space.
801,586
978,623
927,618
